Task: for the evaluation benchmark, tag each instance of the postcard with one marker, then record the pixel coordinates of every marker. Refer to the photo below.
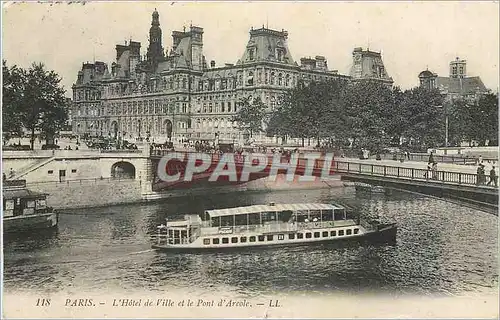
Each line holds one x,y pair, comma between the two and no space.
250,159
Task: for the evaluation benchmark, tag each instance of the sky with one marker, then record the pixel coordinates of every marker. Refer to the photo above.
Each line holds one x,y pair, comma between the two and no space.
412,36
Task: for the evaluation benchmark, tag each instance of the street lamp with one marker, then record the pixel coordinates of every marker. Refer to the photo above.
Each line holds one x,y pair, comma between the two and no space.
446,100
446,126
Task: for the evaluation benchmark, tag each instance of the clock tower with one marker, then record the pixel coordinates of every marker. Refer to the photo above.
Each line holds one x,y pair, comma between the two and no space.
155,52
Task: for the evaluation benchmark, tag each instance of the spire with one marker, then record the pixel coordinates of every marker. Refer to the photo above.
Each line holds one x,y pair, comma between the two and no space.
156,19
155,51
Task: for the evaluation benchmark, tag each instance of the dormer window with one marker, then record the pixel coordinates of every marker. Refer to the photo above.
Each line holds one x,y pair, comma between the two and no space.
279,54
251,52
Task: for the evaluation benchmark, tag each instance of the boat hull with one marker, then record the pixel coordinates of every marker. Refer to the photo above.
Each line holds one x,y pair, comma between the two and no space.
30,223
384,234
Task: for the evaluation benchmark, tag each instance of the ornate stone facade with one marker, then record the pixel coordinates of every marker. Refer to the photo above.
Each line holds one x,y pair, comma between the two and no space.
177,95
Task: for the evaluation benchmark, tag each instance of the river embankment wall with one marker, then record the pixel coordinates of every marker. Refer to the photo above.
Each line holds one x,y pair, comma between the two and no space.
106,192
89,192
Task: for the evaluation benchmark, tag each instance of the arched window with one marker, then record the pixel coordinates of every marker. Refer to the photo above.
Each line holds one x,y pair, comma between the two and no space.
272,78
280,79
250,79
287,80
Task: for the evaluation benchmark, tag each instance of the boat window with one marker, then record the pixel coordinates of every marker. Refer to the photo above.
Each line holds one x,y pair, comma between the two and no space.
234,240
308,235
285,216
226,221
41,203
281,236
252,239
339,214
243,239
302,215
291,236
348,231
315,214
333,233
254,218
215,222
241,220
270,237
206,241
300,236
225,240
341,232
8,208
356,230
327,215
325,233
268,216
316,234
262,238
215,240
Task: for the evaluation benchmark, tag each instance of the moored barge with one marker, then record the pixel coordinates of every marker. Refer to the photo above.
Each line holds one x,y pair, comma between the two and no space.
25,210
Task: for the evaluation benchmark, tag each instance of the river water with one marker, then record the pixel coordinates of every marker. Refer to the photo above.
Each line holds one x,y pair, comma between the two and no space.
441,248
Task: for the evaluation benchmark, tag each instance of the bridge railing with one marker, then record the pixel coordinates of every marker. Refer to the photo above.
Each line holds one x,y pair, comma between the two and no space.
455,159
460,178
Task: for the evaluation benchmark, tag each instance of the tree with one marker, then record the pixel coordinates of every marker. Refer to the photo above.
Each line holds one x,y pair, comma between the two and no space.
460,125
11,96
369,107
485,119
251,114
280,119
309,111
38,101
425,120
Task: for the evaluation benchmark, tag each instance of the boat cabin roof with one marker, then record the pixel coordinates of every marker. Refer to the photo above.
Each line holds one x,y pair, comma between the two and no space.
23,193
272,208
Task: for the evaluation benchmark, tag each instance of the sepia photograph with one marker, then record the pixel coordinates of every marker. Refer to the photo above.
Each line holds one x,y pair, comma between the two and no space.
226,159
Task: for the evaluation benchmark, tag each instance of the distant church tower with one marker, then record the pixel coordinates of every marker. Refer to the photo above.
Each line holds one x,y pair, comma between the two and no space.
458,68
155,52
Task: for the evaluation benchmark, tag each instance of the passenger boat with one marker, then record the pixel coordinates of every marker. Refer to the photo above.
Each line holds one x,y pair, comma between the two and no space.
268,225
25,210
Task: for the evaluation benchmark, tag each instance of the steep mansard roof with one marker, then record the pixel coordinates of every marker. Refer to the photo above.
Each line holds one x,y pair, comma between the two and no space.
265,43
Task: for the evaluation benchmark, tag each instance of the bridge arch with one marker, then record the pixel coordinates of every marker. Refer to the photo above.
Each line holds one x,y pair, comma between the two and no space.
123,170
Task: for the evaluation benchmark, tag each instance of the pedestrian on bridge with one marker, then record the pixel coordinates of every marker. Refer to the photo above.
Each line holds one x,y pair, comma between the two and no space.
481,177
434,171
493,177
429,170
431,158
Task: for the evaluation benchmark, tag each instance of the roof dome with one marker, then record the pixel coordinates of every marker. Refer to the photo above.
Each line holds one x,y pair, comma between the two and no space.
425,74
